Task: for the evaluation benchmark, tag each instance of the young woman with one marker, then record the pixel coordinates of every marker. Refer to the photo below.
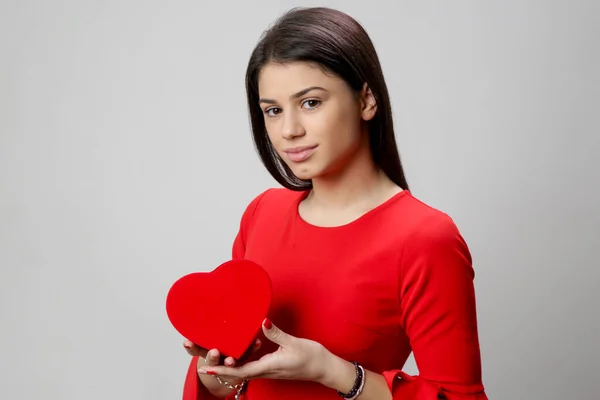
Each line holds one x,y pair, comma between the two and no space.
363,273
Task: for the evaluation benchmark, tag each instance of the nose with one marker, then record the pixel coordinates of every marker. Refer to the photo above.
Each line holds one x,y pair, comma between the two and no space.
292,126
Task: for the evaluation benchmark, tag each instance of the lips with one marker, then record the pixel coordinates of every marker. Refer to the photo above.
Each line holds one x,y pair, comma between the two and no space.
298,154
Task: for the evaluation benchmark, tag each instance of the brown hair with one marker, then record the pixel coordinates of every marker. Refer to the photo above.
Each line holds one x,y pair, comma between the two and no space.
338,44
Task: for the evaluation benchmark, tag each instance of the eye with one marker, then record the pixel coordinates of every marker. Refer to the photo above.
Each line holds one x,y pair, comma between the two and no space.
272,112
311,103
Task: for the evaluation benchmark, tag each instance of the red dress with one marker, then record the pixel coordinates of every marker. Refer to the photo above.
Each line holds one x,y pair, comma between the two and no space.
396,280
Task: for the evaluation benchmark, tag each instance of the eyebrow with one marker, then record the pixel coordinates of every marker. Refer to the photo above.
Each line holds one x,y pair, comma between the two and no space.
295,95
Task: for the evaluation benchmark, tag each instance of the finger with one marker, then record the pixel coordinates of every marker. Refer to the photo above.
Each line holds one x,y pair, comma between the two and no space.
193,349
251,370
229,362
274,334
232,362
257,344
213,357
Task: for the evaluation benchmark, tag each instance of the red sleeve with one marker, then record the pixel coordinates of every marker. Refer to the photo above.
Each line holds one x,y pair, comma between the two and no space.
437,300
193,389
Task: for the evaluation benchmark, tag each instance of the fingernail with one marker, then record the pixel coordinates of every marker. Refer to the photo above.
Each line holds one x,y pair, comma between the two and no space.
203,371
267,323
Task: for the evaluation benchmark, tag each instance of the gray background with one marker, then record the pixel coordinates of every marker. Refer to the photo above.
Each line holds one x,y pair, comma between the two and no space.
126,162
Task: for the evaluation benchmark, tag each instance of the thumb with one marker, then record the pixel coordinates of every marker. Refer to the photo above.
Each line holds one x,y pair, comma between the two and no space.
274,334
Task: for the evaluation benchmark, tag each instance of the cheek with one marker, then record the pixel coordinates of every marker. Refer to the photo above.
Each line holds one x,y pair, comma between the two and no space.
340,135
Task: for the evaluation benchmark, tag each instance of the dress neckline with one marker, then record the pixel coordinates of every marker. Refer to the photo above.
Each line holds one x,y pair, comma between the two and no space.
367,215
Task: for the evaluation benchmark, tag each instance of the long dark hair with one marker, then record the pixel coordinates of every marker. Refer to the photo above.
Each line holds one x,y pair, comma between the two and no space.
338,44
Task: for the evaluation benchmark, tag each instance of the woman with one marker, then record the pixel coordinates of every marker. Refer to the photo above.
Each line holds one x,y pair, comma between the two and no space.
363,273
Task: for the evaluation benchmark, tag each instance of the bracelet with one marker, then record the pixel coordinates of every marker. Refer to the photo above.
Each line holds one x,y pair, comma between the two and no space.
229,385
239,388
359,383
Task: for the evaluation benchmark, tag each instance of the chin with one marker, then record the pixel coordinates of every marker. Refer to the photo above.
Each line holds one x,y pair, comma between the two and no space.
304,175
304,172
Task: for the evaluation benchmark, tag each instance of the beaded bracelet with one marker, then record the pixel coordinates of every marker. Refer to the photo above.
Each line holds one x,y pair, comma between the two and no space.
359,383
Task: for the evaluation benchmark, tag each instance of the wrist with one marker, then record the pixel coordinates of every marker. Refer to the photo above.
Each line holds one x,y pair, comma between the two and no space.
214,387
339,374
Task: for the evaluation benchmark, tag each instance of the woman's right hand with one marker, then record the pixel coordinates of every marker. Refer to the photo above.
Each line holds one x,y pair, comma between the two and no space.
213,358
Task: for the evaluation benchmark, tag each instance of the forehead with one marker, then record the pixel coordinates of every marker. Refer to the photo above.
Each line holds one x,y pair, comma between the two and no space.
282,80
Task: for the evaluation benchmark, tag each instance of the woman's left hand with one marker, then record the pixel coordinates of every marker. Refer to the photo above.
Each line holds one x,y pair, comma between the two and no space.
295,359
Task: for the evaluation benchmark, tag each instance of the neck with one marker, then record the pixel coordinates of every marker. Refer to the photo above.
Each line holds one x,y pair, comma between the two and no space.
358,181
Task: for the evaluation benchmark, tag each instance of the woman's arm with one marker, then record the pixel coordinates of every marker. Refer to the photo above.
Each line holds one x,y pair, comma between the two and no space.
341,374
305,360
437,301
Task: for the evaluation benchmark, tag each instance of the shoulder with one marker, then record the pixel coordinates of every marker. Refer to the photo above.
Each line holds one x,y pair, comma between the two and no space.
428,230
432,223
273,204
431,234
271,201
418,220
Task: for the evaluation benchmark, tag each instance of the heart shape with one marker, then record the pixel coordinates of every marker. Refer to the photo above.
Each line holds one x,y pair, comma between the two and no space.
222,309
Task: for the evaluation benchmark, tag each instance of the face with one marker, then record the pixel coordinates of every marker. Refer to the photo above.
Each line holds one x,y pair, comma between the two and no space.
314,120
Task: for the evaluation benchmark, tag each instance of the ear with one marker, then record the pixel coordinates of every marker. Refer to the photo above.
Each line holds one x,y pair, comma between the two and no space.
368,104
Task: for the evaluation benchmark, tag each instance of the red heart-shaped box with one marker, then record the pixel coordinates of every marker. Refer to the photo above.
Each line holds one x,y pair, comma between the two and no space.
223,309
